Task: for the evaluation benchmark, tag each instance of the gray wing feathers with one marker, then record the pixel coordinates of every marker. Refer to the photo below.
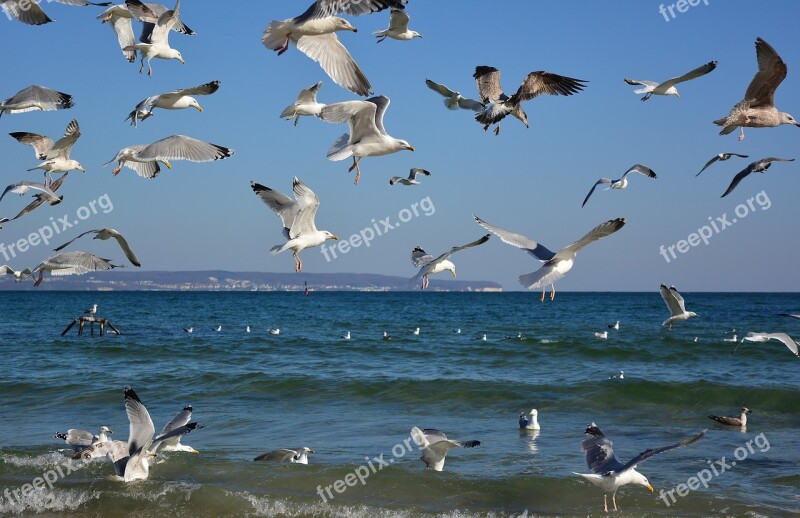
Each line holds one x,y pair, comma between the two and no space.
336,61
537,250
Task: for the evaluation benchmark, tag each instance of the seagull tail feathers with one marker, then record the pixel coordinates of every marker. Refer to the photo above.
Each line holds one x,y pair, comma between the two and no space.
288,112
277,249
275,34
340,149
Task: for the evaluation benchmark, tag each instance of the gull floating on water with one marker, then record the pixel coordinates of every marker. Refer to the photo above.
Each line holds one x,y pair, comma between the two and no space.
247,329
498,104
757,109
529,424
104,234
428,265
144,159
55,155
415,331
386,336
608,473
731,339
218,328
740,421
435,445
759,166
18,275
785,339
188,329
412,177
158,46
621,182
36,98
290,455
668,87
29,12
297,217
314,34
367,135
273,331
614,326
23,187
72,263
556,265
789,315
305,105
603,335
720,157
454,100
346,336
675,304
174,100
398,27
619,376
79,440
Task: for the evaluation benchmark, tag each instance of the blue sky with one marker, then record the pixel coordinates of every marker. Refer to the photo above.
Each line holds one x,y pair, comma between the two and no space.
532,181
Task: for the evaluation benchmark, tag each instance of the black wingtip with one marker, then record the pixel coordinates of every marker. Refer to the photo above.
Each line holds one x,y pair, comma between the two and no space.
593,430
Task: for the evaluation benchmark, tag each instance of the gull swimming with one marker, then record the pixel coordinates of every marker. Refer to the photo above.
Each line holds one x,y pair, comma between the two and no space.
614,326
386,336
18,275
675,304
144,159
104,234
40,198
158,46
435,445
783,338
428,265
412,177
291,455
622,182
29,12
556,265
188,329
740,421
759,166
498,104
367,135
415,331
668,87
789,315
602,335
305,105
72,263
454,100
608,473
314,34
55,155
79,440
36,98
398,27
346,336
23,187
720,157
757,109
218,328
297,217
529,424
174,100
274,331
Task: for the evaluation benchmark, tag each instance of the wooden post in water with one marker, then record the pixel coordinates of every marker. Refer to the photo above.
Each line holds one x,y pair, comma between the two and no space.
91,320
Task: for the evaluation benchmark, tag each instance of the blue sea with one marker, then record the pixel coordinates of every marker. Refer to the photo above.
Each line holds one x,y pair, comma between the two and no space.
355,401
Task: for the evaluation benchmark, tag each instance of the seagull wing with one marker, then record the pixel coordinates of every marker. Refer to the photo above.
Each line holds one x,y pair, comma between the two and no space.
455,249
166,21
637,82
141,426
359,115
308,203
123,28
537,250
538,83
412,175
75,238
325,8
181,147
398,20
471,104
74,263
381,103
600,458
41,198
126,248
309,95
23,187
281,455
420,257
63,146
204,89
785,339
488,81
771,72
601,181
646,454
439,88
600,231
738,178
32,14
285,207
181,418
708,164
336,61
697,72
668,294
641,169
38,97
40,143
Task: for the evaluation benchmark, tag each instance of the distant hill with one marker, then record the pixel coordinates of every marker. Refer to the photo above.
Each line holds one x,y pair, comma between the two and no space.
219,280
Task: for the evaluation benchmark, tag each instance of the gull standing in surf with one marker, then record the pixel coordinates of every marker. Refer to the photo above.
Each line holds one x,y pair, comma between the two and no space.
158,46
104,234
720,157
367,135
435,445
608,473
668,87
454,100
174,100
36,98
759,166
79,440
783,338
556,265
55,155
72,263
675,304
757,109
297,217
314,34
398,27
740,421
29,12
498,104
622,182
529,424
306,104
290,455
23,187
428,265
412,177
18,275
144,158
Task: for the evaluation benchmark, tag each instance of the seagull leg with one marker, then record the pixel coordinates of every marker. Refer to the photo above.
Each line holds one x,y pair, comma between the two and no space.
141,68
116,170
646,97
283,48
614,500
741,137
296,120
497,130
542,299
552,292
357,168
381,38
149,68
298,264
605,502
40,279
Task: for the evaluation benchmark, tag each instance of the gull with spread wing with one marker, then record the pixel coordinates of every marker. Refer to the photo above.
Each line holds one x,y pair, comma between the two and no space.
23,187
454,100
55,155
675,304
668,87
158,46
398,27
720,158
72,263
174,100
428,265
290,455
41,198
103,234
306,104
18,275
144,159
412,177
622,182
435,445
36,98
783,338
759,166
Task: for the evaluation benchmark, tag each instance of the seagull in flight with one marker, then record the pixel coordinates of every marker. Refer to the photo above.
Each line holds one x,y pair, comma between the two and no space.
36,97
398,27
291,455
41,198
740,421
759,166
306,104
454,100
435,445
158,46
556,264
72,263
174,100
720,157
668,87
55,155
104,234
18,275
622,182
23,187
675,304
412,177
428,265
783,338
144,159
30,13
297,217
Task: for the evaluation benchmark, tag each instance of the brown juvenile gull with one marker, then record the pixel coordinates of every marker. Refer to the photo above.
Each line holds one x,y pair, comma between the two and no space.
174,100
291,455
297,217
622,182
556,265
314,33
498,104
144,159
305,104
740,421
454,100
398,27
104,234
428,265
675,304
720,157
668,87
608,472
29,12
55,155
36,97
783,338
72,263
435,445
757,109
759,166
412,177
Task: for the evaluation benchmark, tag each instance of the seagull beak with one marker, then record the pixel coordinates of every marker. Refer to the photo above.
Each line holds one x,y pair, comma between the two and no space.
353,29
335,238
166,163
311,451
110,431
182,61
195,452
199,108
678,95
648,486
410,148
454,274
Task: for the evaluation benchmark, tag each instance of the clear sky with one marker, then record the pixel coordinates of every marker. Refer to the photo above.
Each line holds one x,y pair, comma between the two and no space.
532,181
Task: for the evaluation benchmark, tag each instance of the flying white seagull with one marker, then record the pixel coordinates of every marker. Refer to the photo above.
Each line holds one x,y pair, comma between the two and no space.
158,46
622,182
306,104
759,166
556,265
174,100
721,158
428,265
18,275
36,98
398,27
297,217
608,473
144,159
23,187
72,263
55,155
435,445
668,87
41,198
675,304
412,177
783,338
367,135
107,233
454,100
29,12
291,455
